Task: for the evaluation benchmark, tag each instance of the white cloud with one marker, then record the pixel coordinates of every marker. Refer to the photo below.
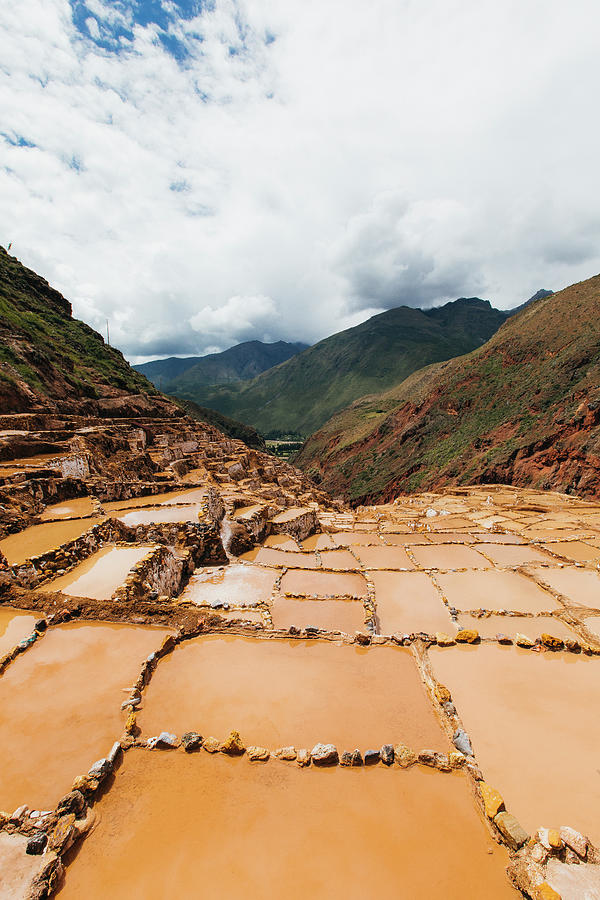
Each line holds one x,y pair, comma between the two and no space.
289,187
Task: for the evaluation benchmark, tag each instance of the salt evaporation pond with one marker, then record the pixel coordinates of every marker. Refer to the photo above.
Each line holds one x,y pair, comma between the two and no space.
99,576
15,626
39,539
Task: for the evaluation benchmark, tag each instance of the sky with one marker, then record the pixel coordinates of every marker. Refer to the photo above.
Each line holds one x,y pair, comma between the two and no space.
204,172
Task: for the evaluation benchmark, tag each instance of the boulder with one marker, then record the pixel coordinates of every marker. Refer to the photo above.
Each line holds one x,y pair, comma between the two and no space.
573,839
511,830
467,636
427,758
357,759
287,753
257,754
551,642
192,741
164,741
61,836
521,640
233,745
461,741
362,639
211,745
346,758
387,754
492,800
442,694
100,770
37,843
324,755
372,757
404,756
444,640
74,802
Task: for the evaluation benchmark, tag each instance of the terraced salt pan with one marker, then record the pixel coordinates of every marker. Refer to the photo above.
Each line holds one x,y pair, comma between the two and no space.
514,555
593,623
99,576
578,551
531,719
384,558
282,692
268,556
282,542
495,590
415,538
158,514
318,542
275,830
69,509
234,585
39,539
531,626
496,537
350,538
323,584
579,586
331,615
15,626
184,496
60,707
17,868
338,559
409,602
449,556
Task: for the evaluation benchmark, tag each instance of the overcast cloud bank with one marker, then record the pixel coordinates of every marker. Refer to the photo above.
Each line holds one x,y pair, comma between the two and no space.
206,173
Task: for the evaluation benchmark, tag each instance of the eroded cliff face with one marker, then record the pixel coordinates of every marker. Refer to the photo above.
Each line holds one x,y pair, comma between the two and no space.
523,409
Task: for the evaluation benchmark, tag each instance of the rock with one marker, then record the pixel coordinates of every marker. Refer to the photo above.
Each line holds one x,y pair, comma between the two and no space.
372,757
521,640
511,830
115,754
461,741
100,770
449,708
287,753
427,757
19,815
442,694
233,745
442,763
85,784
444,640
553,643
346,758
573,839
71,803
361,638
37,843
473,770
387,754
545,892
456,759
303,758
40,625
324,755
164,741
572,645
131,726
467,636
257,754
503,638
133,702
404,756
192,741
550,838
492,800
61,836
357,759
167,646
211,745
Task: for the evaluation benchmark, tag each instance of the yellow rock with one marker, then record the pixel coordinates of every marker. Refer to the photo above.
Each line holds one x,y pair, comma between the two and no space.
258,754
233,745
554,839
521,640
61,836
404,756
456,759
442,694
545,892
467,636
131,724
553,643
211,745
492,800
85,784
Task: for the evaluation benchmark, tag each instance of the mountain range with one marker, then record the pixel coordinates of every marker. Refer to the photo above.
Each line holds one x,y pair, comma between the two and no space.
524,408
299,395
238,363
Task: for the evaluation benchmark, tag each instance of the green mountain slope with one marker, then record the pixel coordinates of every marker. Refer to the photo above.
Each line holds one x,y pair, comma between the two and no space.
298,396
238,363
523,409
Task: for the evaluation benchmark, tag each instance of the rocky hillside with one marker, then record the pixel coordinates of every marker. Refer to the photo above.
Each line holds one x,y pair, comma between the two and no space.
51,361
239,363
298,396
523,409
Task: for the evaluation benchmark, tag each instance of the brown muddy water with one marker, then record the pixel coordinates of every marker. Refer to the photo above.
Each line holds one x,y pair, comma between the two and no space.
15,626
351,538
409,602
323,584
331,615
60,707
100,574
593,623
449,556
515,555
384,558
580,586
185,496
158,514
269,556
318,542
235,585
69,509
534,728
282,542
282,692
175,825
338,559
578,551
495,590
39,539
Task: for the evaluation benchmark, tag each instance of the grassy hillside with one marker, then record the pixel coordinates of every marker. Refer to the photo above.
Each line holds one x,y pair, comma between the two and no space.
227,426
239,363
524,409
298,396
